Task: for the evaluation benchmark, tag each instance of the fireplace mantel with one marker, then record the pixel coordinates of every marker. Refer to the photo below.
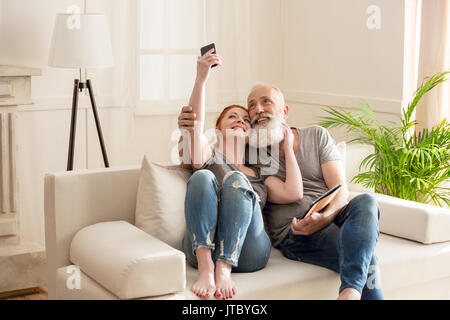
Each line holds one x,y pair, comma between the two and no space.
22,263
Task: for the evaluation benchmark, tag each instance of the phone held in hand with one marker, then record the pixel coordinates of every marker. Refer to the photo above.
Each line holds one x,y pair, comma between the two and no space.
320,203
205,49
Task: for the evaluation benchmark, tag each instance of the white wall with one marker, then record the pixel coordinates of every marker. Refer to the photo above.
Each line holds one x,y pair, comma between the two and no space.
330,57
319,52
329,49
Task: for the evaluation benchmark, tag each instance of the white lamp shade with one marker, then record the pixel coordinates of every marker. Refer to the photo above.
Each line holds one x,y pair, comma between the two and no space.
81,41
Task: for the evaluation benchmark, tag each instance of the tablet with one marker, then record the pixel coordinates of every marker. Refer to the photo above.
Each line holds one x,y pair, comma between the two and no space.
320,203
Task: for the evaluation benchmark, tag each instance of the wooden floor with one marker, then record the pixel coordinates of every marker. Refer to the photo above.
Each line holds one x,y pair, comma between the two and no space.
40,293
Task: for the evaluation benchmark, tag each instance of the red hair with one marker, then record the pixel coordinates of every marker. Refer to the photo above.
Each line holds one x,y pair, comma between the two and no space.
224,111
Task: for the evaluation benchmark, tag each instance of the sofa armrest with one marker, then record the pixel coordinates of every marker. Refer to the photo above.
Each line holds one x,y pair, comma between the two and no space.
75,199
412,220
127,261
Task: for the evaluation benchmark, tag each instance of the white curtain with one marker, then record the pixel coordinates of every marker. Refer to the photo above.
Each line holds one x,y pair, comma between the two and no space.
434,56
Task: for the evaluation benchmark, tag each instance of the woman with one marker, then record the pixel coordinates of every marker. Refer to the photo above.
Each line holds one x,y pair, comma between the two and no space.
224,198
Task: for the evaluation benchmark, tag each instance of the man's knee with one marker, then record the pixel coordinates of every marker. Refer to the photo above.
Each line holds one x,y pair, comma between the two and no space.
368,204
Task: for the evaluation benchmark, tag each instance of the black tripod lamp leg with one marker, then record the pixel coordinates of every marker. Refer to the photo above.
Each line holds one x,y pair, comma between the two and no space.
97,123
73,125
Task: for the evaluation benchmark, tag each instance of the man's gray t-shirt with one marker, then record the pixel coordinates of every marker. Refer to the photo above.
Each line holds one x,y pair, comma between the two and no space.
316,146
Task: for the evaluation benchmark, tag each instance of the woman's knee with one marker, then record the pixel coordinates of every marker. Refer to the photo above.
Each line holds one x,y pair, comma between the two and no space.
202,185
236,187
236,179
201,178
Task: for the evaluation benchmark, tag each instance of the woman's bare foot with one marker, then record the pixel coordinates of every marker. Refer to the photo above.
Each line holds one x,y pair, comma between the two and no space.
205,286
349,294
225,287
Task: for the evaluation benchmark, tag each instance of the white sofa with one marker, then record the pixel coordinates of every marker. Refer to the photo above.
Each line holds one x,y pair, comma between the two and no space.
77,199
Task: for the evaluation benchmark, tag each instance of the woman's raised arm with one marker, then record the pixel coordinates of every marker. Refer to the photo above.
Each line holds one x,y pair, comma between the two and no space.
199,149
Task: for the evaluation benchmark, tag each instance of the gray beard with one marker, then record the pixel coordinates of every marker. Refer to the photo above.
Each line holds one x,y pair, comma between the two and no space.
268,134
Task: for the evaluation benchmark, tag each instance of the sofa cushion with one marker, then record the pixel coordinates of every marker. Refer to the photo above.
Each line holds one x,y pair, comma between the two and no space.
413,220
403,263
405,266
127,261
160,201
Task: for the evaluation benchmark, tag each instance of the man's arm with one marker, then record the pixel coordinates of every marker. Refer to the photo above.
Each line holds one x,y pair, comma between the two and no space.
333,174
186,121
181,150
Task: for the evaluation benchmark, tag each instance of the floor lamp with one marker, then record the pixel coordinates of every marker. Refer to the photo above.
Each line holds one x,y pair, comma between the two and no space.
81,41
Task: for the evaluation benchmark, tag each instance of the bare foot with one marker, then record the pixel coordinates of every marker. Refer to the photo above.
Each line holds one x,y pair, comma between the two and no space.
225,287
205,286
349,294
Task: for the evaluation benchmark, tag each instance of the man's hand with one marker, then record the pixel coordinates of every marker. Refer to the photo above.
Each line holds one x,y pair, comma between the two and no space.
309,225
186,119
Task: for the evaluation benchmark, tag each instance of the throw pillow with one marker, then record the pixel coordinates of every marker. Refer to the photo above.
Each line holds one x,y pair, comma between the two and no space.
160,201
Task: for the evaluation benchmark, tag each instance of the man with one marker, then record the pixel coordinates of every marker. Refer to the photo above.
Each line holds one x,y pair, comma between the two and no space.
342,237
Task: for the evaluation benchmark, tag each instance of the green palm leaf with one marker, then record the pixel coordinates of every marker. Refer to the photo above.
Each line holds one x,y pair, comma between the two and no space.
409,166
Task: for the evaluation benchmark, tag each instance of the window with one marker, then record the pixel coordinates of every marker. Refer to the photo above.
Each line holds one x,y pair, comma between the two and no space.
170,33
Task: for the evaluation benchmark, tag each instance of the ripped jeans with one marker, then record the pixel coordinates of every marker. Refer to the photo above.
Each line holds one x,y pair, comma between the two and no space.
227,219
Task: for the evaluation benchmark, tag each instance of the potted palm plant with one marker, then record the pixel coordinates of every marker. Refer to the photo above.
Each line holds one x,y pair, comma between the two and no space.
405,163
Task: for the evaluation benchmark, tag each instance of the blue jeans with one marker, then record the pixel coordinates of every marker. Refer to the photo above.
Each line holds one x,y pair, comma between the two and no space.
227,219
345,246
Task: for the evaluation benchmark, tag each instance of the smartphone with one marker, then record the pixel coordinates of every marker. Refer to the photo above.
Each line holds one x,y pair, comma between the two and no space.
205,49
